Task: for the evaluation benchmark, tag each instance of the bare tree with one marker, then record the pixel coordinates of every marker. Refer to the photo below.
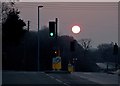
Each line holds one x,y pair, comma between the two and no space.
85,43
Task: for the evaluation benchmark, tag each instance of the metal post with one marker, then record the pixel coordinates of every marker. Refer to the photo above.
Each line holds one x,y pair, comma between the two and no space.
38,37
56,20
116,65
28,25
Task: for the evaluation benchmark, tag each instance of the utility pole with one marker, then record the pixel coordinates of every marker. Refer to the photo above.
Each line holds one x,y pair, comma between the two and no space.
56,20
28,25
115,53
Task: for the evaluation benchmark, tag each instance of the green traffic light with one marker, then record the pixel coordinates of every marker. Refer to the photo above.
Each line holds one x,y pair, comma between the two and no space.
51,34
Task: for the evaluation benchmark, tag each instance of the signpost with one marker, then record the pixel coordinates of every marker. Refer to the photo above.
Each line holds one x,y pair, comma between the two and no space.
53,63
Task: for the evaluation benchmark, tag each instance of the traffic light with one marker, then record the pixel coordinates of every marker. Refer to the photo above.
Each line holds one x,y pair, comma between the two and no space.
72,45
115,49
55,53
52,29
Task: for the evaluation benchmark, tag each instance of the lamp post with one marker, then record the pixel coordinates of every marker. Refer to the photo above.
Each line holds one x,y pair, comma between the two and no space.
38,36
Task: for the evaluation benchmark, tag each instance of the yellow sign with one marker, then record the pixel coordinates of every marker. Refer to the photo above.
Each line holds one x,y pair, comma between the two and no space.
70,68
56,63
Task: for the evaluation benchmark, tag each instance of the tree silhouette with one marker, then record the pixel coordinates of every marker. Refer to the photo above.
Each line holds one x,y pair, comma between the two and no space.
85,43
106,51
12,33
12,27
6,8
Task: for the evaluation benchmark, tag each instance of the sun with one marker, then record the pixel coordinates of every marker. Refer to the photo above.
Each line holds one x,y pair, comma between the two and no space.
76,29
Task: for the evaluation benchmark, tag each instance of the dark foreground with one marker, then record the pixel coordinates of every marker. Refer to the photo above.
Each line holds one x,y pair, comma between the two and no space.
55,79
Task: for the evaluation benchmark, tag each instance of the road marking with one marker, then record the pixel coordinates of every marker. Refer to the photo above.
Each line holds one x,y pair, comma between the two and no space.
58,80
52,77
62,82
87,73
66,84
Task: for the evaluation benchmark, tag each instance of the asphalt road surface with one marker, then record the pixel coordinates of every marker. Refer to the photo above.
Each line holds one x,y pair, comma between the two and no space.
47,79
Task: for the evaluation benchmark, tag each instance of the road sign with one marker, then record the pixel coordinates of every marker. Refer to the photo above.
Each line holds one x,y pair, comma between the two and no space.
56,64
70,67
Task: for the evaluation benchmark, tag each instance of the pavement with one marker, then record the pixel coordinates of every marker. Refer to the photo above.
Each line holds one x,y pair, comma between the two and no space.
101,78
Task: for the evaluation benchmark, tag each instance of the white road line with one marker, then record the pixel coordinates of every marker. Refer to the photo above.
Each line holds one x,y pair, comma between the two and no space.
58,80
52,77
87,73
66,84
63,82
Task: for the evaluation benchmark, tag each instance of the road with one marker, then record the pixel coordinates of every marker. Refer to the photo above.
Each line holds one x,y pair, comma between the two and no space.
88,79
27,78
53,79
101,78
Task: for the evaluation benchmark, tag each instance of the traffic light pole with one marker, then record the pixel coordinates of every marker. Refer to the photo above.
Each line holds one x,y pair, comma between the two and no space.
38,39
58,50
56,35
56,20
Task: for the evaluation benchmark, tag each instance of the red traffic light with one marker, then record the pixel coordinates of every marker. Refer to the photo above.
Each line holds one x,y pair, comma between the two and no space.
55,52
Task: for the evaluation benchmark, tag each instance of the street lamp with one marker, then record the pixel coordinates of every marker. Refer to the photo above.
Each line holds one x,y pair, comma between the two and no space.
38,34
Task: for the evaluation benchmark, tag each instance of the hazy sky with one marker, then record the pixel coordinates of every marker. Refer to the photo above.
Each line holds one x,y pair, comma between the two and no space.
98,21
64,0
72,0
